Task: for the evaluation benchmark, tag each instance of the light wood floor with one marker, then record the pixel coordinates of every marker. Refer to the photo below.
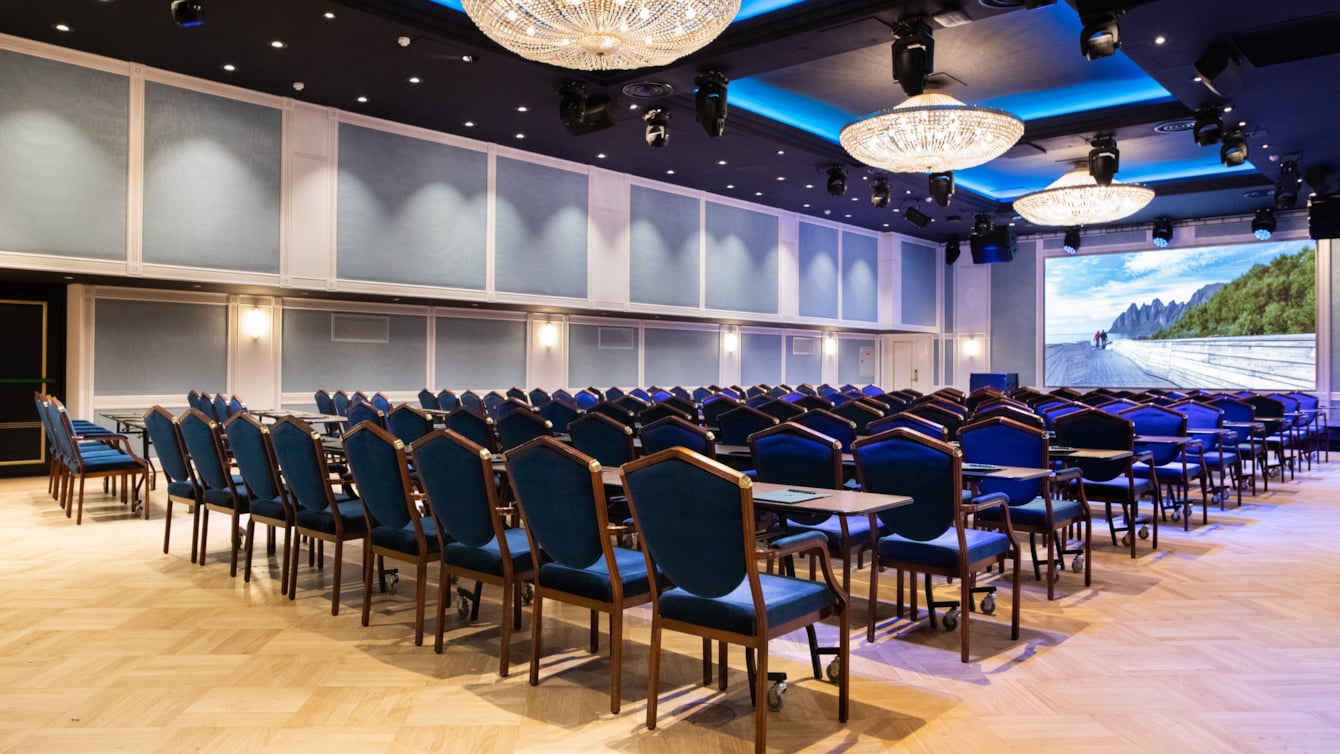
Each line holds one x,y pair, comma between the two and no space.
1226,639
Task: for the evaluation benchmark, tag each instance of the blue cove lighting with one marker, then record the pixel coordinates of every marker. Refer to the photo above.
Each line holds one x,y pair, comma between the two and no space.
748,8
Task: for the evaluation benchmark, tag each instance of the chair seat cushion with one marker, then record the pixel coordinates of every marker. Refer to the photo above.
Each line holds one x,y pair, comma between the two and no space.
1215,459
941,553
593,582
488,559
404,539
100,462
272,508
858,531
225,499
350,512
181,489
1032,515
784,598
1117,489
1168,472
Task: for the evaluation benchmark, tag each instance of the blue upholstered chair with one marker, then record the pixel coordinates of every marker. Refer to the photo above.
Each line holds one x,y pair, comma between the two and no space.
324,403
518,394
223,492
781,410
474,426
932,536
909,421
659,411
604,439
632,403
1174,465
1022,415
810,402
735,426
640,394
447,401
340,401
860,412
659,394
619,414
320,513
701,394
1111,481
538,396
395,528
683,394
221,409
236,406
182,485
696,519
565,397
614,393
830,424
1313,424
518,427
559,415
457,480
716,405
585,399
473,401
493,399
1220,446
940,414
501,409
1055,411
363,411
677,432
427,399
1251,445
408,423
93,452
758,400
560,494
253,451
1036,505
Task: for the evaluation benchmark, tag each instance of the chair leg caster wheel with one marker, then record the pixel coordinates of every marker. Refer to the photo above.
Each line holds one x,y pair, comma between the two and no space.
463,605
1077,565
1126,539
527,593
950,619
775,693
392,582
1175,514
628,541
988,605
834,669
1144,532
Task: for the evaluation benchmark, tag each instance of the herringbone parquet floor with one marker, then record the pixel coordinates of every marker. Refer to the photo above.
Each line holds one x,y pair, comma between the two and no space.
1226,639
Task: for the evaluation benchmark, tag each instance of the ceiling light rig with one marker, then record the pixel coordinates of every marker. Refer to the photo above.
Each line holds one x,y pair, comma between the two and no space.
1163,232
1263,225
942,187
710,102
916,216
1286,189
1233,150
931,132
582,114
658,127
1071,243
1209,127
953,248
600,35
1104,160
1101,36
837,180
1076,199
188,13
879,193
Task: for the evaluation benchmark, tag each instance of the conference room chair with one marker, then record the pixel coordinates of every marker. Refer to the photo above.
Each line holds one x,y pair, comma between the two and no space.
538,396
408,423
221,408
933,535
716,405
448,401
395,528
1052,413
776,392
677,432
253,451
860,413
1116,405
510,406
657,411
1295,429
613,393
364,411
1175,466
473,401
182,486
223,491
1278,434
565,397
95,454
682,394
324,403
735,426
806,388
632,404
427,399
1095,397
458,486
891,403
781,410
735,392
320,514
640,394
604,439
681,404
559,414
1007,411
696,518
561,497
381,402
1220,446
587,398
193,399
701,394
947,418
340,401
616,413
810,402
518,394
758,400
980,395
1111,482
1239,416
1036,506
840,398
519,427
236,406
493,399
1313,422
756,391
793,454
829,424
909,421
474,426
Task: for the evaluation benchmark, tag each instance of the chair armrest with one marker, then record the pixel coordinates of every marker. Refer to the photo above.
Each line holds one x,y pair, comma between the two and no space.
1143,455
989,500
1068,475
795,544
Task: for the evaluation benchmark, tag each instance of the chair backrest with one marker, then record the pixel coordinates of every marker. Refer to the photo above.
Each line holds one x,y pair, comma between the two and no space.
255,456
1199,415
193,399
945,417
427,399
909,421
340,401
757,400
302,461
659,411
221,412
682,403
236,406
408,423
377,461
518,393
695,518
830,424
632,403
701,394
538,397
205,405
559,414
562,499
585,399
1117,405
1005,442
510,406
1009,411
905,462
602,438
617,413
781,410
518,427
1051,413
1154,420
492,399
471,400
456,476
792,454
203,440
677,432
166,438
362,411
614,393
447,401
382,403
472,425
716,405
659,394
735,426
1091,428
564,396
641,394
811,402
598,393
860,413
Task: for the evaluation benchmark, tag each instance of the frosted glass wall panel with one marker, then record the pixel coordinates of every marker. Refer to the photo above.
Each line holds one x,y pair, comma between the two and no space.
382,352
690,358
860,278
1014,315
818,271
804,355
741,259
541,231
411,211
211,181
486,354
664,238
63,158
154,347
858,361
760,359
602,361
918,284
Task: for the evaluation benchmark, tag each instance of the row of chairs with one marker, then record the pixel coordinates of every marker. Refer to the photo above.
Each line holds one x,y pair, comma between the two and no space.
80,450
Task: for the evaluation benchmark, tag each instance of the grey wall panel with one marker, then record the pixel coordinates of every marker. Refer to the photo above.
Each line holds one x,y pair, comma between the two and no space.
818,247
211,181
314,359
948,325
664,238
858,361
690,358
760,359
741,259
806,366
153,347
860,278
63,158
918,284
411,211
1014,318
486,354
541,233
589,364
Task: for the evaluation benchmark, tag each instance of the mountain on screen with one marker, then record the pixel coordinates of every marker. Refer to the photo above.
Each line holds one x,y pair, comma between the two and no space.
1144,320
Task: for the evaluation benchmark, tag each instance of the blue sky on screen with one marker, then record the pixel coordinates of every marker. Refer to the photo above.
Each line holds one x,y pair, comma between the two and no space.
1084,293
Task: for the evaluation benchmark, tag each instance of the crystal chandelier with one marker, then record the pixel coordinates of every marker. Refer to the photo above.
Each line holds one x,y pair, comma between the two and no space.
932,133
1076,199
597,35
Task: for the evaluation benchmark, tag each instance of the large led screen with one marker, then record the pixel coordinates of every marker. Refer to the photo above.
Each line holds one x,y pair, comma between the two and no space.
1231,317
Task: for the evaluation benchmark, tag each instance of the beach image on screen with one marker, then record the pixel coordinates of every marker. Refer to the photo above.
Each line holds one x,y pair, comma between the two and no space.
1223,317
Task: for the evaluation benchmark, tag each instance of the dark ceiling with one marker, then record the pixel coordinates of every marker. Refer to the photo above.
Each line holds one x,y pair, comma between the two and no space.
798,73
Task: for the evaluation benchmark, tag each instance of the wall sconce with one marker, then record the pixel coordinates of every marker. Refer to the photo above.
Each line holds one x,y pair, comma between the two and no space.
830,344
730,341
255,323
548,335
972,348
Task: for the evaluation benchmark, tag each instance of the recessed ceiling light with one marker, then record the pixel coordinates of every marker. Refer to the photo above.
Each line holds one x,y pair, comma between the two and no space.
781,151
229,67
809,185
1265,146
909,191
806,206
60,27
298,86
1228,108
781,177
1242,124
1160,39
522,108
721,162
69,277
670,172
847,215
362,98
600,156
469,124
278,44
415,80
520,136
730,185
633,106
758,193
886,225
328,16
